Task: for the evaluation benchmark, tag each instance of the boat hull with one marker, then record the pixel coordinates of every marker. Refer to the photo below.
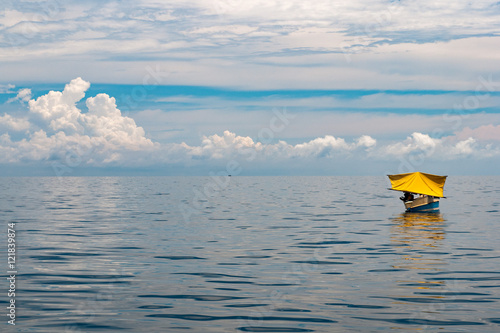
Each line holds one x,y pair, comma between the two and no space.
423,204
431,207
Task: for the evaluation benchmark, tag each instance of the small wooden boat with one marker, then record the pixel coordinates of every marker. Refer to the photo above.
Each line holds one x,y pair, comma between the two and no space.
422,191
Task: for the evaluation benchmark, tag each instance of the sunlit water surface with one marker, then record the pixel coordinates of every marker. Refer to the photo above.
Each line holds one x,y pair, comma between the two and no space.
250,254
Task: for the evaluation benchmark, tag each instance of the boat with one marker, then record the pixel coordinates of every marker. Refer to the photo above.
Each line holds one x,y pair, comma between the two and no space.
422,191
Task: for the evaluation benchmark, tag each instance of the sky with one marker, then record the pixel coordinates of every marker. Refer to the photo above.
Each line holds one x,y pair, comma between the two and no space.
360,87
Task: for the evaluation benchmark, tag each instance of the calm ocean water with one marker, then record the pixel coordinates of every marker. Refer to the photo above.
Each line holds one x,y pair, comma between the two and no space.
250,254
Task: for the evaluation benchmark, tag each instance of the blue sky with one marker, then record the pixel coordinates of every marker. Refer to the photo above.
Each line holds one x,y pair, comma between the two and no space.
277,87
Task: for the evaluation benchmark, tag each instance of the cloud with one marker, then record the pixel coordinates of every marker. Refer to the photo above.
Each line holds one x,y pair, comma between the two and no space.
225,31
345,114
321,147
6,88
56,131
447,148
23,95
390,44
15,124
465,147
215,146
58,109
230,145
366,141
415,142
105,120
483,133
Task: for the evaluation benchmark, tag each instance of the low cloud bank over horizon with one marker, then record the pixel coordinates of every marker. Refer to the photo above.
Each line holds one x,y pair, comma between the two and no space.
56,132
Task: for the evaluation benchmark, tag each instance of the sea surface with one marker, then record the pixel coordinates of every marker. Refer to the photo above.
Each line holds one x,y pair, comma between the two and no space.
249,254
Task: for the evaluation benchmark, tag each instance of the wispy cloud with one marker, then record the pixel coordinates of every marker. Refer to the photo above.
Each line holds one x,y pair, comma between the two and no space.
7,88
23,95
484,132
250,44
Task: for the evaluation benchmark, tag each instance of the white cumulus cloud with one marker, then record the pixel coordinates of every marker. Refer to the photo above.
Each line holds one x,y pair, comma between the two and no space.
415,142
324,147
464,147
230,145
59,130
15,124
440,149
59,110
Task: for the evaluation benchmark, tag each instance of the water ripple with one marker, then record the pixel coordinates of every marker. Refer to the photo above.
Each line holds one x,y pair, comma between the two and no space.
180,257
273,329
197,317
417,321
202,298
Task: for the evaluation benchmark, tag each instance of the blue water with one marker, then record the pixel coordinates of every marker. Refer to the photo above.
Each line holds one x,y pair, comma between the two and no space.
250,254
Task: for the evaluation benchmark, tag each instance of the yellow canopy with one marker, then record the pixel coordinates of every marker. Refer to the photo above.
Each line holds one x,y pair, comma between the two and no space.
418,182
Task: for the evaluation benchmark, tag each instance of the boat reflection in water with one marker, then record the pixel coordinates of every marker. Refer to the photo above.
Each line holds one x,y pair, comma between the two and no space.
423,287
418,237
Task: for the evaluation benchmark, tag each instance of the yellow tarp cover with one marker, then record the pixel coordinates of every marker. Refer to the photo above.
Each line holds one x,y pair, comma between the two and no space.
418,182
